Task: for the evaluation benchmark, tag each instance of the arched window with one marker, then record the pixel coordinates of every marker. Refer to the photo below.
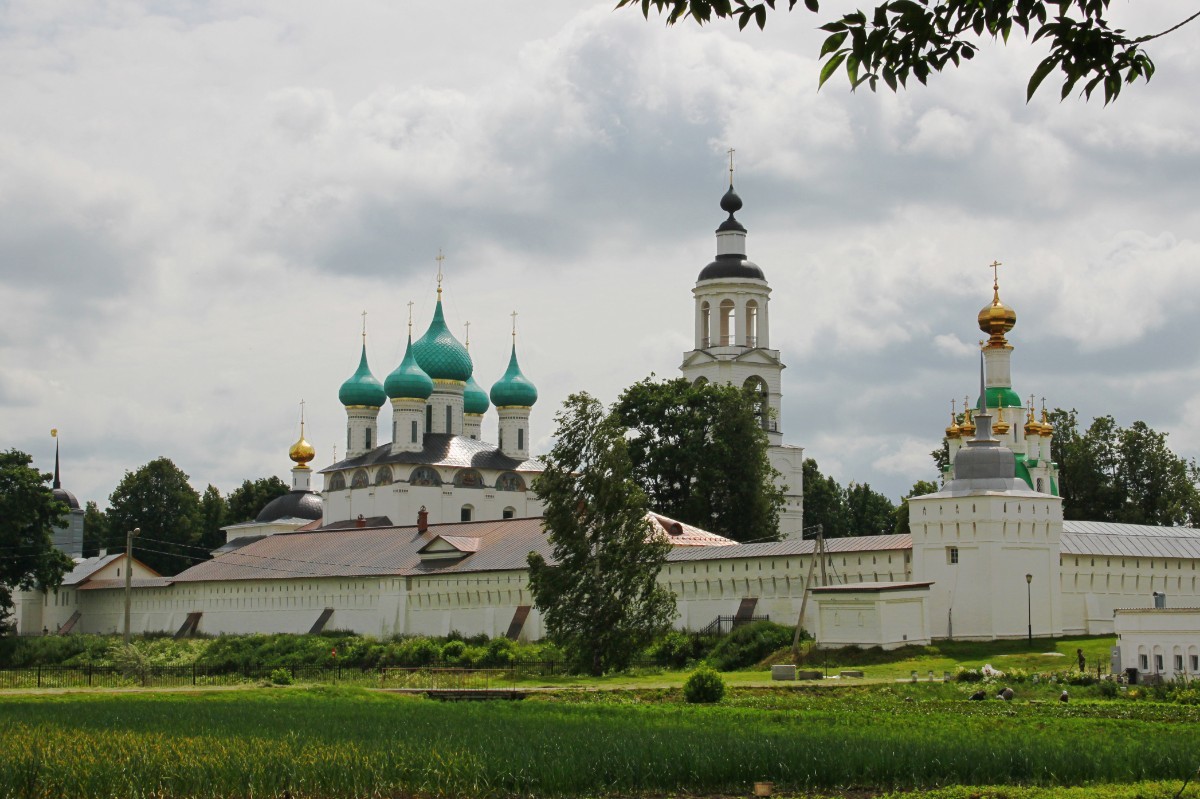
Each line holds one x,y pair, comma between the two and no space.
705,325
510,482
361,479
468,513
758,389
751,324
384,477
509,513
337,482
468,478
700,381
424,476
727,323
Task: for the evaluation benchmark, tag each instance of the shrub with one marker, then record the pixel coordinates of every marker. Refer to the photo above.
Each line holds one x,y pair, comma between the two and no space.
452,650
705,686
281,677
1108,689
676,649
417,652
749,644
1079,678
499,653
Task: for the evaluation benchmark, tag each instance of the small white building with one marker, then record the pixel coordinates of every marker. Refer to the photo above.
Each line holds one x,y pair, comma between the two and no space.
1159,641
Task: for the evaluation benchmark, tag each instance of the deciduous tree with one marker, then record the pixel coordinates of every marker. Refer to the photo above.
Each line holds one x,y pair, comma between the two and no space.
28,515
599,596
899,39
700,454
247,500
158,499
919,489
95,529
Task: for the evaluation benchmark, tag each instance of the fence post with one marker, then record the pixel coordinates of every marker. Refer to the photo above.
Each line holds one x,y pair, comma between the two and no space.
39,675
193,672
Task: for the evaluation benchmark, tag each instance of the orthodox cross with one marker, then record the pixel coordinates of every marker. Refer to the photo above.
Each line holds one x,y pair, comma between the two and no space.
731,151
410,305
439,259
467,343
302,418
995,266
364,316
514,316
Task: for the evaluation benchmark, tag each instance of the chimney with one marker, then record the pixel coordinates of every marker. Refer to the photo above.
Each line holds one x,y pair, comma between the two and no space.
360,521
422,520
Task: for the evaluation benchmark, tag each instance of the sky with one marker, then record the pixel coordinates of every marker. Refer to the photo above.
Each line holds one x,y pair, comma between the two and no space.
199,200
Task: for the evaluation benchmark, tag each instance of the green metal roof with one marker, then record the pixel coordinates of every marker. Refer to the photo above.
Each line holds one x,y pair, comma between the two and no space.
1001,397
409,380
362,388
514,389
475,399
439,353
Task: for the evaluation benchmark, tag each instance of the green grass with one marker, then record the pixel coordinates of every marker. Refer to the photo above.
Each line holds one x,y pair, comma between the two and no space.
326,743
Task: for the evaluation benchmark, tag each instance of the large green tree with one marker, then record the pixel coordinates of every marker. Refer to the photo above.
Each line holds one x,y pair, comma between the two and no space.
867,511
28,515
247,500
899,39
700,454
824,502
95,529
214,514
1110,473
158,499
599,596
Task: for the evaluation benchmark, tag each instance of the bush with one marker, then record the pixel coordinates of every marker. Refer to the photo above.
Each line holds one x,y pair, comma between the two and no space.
415,652
281,677
749,644
705,686
499,654
968,675
452,650
1108,689
676,649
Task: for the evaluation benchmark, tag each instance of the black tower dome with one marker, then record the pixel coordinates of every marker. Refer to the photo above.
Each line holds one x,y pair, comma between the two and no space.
731,235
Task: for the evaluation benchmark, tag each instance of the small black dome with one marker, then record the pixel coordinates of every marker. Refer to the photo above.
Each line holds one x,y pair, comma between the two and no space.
731,266
292,505
66,497
731,203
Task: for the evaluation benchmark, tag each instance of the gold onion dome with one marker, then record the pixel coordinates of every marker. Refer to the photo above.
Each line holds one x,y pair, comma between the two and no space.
996,319
1032,428
1000,427
967,428
302,452
953,431
1047,428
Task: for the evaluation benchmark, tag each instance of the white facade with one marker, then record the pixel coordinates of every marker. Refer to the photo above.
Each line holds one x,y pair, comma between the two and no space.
1164,642
888,615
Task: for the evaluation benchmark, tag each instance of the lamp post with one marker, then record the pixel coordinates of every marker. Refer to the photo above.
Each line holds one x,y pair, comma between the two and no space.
1029,605
129,574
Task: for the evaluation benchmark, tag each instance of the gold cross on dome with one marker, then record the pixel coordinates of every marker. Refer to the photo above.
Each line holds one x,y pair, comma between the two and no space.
467,343
364,316
439,260
731,151
514,316
410,305
302,418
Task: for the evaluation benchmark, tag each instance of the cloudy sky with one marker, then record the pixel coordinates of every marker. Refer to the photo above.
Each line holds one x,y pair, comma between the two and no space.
198,200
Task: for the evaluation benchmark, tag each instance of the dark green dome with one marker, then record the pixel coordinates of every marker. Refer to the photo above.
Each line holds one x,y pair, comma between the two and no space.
409,380
1001,397
514,389
439,353
475,399
362,388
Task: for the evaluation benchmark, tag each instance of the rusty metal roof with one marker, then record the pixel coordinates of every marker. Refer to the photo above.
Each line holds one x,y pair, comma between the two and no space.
685,535
1111,539
794,548
137,582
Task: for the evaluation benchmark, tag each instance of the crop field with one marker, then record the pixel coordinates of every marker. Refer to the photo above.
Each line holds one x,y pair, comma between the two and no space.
347,742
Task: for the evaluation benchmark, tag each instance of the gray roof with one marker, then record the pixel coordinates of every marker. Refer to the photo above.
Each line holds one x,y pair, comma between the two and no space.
443,449
875,588
793,548
292,505
89,566
1112,539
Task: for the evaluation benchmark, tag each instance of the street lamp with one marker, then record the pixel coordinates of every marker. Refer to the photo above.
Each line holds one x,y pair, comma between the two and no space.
1029,604
129,574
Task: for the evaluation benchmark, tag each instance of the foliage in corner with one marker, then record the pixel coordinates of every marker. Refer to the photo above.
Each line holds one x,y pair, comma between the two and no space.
899,39
599,597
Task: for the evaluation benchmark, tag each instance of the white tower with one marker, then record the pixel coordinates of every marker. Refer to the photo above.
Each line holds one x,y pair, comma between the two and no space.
732,345
362,396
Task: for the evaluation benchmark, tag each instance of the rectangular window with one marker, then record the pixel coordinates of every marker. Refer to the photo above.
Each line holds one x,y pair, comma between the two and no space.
1179,663
368,437
466,513
1158,663
1144,662
952,555
414,431
349,441
449,428
520,438
509,513
428,418
1195,663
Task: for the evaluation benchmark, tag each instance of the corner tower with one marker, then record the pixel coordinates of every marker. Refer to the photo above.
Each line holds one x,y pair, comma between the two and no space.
733,346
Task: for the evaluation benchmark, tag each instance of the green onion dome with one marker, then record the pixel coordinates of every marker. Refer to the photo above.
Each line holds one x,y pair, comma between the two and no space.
475,399
514,389
439,353
1000,397
362,388
409,380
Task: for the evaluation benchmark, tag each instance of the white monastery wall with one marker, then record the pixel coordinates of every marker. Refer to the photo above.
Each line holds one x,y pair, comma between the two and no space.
1161,641
1093,587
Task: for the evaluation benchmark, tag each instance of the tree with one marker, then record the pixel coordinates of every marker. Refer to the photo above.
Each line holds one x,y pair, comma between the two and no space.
913,38
600,597
28,515
247,500
700,454
158,499
919,489
867,511
95,530
824,502
1110,473
213,514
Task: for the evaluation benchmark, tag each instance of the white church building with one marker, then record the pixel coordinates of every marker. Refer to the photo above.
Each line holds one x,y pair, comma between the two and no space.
428,531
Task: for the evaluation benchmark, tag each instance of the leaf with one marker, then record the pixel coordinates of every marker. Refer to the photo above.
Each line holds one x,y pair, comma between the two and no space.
830,67
1039,74
832,43
852,69
811,5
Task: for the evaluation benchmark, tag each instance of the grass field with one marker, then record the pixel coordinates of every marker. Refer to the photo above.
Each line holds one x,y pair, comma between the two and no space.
345,742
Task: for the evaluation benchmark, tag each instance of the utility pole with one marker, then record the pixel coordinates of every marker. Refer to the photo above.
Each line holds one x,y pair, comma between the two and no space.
818,552
129,574
1029,605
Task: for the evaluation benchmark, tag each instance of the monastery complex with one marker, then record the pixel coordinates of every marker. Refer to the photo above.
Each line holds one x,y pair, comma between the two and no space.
423,528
